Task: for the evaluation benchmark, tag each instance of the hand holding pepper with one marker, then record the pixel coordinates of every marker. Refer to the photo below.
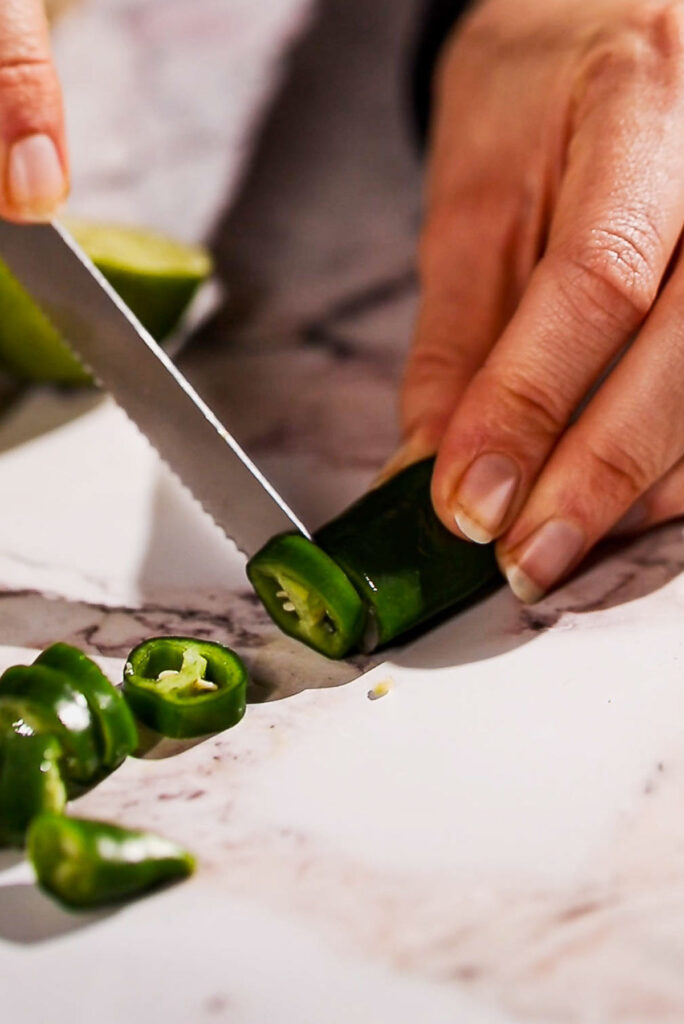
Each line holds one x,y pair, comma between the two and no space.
33,156
555,208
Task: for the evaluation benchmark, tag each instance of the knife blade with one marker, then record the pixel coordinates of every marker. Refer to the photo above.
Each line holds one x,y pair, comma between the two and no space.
128,363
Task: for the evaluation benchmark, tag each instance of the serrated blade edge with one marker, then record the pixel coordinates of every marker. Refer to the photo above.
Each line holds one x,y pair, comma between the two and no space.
127,362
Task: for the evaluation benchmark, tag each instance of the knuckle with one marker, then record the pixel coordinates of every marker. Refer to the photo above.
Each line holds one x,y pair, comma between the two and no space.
661,27
439,360
431,361
521,403
480,212
615,469
18,74
23,63
648,44
611,278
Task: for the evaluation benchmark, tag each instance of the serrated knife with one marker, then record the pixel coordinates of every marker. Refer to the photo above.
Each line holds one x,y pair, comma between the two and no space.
128,363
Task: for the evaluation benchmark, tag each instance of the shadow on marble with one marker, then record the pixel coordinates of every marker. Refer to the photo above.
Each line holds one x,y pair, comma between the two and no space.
27,413
27,917
10,859
329,206
485,630
616,574
317,252
278,666
153,746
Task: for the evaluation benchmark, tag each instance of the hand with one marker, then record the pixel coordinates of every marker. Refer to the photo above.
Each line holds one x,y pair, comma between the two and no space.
555,205
33,157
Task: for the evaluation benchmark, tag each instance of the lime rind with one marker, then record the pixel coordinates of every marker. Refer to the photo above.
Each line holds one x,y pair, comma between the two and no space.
156,276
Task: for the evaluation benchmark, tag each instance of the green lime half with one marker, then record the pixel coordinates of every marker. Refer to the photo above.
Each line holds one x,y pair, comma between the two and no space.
154,275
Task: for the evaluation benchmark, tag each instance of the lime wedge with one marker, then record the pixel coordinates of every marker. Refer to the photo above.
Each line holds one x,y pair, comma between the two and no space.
154,275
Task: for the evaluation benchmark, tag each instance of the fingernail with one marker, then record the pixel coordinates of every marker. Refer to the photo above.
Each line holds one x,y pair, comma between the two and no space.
36,183
484,497
544,558
632,520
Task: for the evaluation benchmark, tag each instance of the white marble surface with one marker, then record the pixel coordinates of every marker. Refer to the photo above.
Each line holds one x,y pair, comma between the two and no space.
500,839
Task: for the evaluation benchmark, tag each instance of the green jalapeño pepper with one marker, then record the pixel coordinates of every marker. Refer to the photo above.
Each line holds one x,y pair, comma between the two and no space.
391,549
114,724
24,717
403,561
30,782
183,687
91,863
64,712
307,594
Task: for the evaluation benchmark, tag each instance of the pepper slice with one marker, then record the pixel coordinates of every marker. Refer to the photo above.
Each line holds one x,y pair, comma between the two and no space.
65,712
307,594
183,687
30,782
90,863
17,715
114,724
390,549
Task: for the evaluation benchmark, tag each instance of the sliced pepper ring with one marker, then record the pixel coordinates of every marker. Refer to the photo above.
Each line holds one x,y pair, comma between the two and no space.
307,594
182,687
30,782
65,711
114,724
25,717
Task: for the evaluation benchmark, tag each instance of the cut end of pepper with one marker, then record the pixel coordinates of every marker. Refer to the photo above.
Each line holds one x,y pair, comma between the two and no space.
307,594
189,679
30,782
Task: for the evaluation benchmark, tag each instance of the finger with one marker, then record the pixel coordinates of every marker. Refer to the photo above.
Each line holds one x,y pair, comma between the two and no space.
662,502
630,435
32,144
467,295
617,220
480,241
468,292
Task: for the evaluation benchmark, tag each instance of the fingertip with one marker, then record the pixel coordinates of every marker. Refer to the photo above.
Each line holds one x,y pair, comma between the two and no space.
471,529
543,559
524,588
36,179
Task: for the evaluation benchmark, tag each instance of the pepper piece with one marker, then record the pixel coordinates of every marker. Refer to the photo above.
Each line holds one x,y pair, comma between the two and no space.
307,594
114,724
65,713
183,687
91,863
30,782
17,715
404,565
